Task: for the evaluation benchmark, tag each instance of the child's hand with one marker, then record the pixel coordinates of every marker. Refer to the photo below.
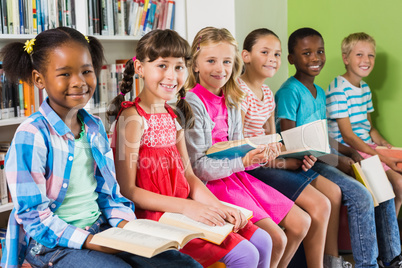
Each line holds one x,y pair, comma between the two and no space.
88,245
274,150
209,215
386,144
308,162
256,156
345,165
235,217
392,162
356,156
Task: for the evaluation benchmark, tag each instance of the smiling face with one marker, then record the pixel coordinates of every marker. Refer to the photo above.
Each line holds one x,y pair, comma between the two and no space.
215,65
69,78
264,59
163,77
360,61
308,56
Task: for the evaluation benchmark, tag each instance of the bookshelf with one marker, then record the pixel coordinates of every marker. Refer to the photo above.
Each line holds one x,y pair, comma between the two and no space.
115,47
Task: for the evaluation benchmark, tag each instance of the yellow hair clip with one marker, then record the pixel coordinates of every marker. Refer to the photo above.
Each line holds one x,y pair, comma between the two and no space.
29,46
86,37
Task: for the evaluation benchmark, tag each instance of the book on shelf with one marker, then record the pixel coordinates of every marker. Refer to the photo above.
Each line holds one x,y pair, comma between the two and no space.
395,152
173,231
3,181
239,148
371,174
308,139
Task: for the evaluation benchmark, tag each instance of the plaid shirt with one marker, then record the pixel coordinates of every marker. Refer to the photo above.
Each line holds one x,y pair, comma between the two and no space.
38,166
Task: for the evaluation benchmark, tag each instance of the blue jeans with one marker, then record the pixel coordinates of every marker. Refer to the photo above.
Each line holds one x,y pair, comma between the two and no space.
372,231
41,256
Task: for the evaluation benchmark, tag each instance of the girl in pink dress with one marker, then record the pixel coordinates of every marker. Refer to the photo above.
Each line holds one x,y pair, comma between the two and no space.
151,157
213,115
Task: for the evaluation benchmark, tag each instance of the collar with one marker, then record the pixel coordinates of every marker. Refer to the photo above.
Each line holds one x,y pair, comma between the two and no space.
58,125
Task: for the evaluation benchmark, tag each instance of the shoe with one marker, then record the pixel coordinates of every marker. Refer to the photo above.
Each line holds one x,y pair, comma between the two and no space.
395,263
336,262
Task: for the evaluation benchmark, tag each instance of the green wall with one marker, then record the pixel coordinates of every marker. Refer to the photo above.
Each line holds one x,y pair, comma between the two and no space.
271,14
381,19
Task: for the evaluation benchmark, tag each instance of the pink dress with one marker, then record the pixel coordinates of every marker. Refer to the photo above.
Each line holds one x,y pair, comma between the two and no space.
160,170
241,188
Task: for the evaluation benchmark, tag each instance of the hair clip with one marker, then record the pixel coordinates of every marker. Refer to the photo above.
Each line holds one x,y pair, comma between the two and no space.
121,93
29,46
134,58
183,98
199,43
86,37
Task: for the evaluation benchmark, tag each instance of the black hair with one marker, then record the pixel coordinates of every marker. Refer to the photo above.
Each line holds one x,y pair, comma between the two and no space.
253,36
18,64
155,44
300,34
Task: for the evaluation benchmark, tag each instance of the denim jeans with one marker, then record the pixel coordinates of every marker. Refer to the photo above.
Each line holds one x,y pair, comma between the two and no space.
41,256
372,231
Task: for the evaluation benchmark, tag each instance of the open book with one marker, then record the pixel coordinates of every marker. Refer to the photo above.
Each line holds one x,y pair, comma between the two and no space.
173,231
308,139
214,234
371,174
146,238
239,148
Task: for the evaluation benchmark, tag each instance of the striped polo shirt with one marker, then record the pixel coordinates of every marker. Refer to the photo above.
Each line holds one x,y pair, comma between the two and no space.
256,111
346,100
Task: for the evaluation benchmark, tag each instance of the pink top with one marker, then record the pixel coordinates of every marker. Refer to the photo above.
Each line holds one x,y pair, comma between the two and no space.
217,110
256,111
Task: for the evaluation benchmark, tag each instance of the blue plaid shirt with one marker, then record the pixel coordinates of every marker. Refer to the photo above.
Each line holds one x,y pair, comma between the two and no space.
38,166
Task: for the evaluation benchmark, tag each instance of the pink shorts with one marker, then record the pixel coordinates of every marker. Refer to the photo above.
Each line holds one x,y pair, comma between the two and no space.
365,156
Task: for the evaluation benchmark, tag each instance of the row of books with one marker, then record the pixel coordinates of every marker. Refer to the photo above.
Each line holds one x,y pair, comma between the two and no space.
129,17
5,197
93,17
22,99
108,87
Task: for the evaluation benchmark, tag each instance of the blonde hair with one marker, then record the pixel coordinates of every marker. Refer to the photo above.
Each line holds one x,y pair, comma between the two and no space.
211,35
351,40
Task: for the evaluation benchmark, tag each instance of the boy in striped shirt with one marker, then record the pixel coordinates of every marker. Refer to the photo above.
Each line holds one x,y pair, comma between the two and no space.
349,104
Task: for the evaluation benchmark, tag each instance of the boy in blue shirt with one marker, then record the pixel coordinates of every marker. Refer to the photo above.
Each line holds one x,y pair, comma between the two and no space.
300,101
349,105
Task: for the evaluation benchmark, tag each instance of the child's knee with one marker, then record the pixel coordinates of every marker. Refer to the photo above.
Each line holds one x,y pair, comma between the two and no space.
299,230
244,254
279,240
322,210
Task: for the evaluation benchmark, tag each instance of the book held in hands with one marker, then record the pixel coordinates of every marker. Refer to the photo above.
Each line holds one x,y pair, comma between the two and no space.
308,139
239,148
148,238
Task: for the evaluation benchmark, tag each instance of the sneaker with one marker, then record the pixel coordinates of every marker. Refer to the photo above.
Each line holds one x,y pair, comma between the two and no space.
336,262
395,263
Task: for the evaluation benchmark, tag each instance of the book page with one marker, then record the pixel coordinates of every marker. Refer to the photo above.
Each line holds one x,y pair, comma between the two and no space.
266,139
312,136
154,228
377,178
214,234
363,180
133,242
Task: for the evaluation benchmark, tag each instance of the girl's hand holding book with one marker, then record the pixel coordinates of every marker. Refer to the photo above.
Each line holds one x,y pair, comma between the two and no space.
210,215
256,156
235,217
